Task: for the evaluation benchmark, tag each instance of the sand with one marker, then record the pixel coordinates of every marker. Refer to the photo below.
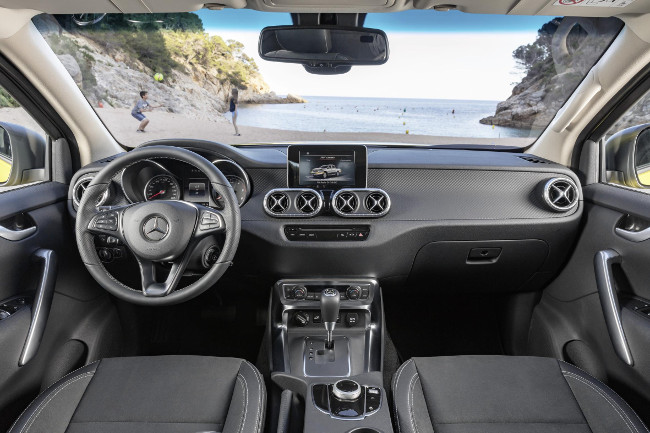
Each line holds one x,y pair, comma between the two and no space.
170,125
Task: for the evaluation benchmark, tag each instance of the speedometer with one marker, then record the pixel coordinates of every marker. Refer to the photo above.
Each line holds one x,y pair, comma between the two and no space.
162,187
240,187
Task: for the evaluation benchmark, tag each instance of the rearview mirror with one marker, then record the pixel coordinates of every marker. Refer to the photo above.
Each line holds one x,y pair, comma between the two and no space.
628,157
323,46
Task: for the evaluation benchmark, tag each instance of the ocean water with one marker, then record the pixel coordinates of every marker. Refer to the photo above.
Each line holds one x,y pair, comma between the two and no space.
387,115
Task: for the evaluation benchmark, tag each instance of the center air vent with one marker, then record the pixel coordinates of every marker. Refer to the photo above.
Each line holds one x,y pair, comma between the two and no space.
377,202
307,202
346,202
293,203
277,202
561,194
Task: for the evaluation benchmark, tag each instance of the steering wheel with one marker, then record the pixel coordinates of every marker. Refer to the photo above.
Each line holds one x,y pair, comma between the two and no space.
158,231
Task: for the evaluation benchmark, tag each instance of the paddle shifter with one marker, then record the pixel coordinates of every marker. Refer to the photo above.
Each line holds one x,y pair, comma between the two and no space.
330,302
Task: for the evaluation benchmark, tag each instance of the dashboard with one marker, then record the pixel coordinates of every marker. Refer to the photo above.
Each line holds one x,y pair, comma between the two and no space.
435,219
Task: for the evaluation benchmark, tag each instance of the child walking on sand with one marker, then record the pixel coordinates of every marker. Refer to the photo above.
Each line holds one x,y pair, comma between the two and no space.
234,102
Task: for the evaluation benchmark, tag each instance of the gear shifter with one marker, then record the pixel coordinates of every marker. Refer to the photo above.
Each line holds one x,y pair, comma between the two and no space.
330,301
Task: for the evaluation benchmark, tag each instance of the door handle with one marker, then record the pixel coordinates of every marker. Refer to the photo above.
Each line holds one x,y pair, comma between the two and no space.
16,235
606,285
41,306
634,236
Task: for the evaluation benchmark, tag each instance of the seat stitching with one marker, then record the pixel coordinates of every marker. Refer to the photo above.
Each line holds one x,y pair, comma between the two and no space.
609,388
259,400
39,409
245,408
411,400
44,391
575,399
399,373
610,400
617,408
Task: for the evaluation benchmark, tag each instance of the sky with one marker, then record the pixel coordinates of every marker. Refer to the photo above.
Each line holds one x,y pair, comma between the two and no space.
433,55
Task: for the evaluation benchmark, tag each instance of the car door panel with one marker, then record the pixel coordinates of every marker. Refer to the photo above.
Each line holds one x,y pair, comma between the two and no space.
573,309
62,302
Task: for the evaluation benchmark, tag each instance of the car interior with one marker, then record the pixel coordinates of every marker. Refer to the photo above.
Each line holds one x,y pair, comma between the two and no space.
189,285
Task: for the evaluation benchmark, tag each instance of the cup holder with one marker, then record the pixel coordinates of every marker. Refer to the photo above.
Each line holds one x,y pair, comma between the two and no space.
364,430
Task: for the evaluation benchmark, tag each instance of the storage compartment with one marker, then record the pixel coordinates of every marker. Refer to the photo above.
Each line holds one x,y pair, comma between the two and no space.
478,266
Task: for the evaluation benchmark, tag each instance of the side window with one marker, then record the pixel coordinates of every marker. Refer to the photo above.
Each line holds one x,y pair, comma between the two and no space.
627,147
22,145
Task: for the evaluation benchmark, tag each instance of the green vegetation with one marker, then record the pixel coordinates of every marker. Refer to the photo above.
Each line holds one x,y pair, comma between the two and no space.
6,100
168,42
223,60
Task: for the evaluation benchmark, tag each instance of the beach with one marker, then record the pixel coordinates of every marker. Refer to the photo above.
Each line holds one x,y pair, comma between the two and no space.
171,125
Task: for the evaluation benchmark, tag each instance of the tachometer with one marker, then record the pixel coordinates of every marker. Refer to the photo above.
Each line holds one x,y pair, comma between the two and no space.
240,187
162,187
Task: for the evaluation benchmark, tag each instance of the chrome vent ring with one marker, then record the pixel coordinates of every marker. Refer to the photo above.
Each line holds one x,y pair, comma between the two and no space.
79,190
308,202
277,202
561,194
377,202
346,202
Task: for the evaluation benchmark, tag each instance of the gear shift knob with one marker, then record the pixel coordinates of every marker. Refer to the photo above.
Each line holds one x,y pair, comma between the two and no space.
330,302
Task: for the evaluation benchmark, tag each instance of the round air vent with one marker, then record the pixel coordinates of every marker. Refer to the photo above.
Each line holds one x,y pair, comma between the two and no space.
80,189
346,202
308,202
377,202
277,203
561,194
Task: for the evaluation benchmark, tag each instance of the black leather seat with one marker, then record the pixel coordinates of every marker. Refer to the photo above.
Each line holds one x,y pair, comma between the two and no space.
162,394
472,394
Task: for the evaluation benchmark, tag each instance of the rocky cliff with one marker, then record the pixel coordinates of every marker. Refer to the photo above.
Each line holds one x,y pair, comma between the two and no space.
554,65
199,71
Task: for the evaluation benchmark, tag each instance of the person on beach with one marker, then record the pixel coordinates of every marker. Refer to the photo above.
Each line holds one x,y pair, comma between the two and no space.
234,102
141,106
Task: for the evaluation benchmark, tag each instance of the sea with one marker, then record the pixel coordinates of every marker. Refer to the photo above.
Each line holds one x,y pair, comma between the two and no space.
434,117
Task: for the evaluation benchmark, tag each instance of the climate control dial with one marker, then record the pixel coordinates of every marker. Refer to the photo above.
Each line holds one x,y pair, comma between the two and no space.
353,292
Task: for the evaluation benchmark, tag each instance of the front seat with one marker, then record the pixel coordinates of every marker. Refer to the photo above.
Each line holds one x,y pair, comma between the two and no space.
506,394
161,394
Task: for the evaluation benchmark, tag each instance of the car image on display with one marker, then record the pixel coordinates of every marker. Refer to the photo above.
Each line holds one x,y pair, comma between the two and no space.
325,216
325,171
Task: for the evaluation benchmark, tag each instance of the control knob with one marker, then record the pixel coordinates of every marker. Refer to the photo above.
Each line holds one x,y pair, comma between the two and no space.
346,389
300,292
301,319
353,292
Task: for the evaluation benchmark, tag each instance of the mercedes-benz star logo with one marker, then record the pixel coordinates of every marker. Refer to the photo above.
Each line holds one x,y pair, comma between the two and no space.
155,228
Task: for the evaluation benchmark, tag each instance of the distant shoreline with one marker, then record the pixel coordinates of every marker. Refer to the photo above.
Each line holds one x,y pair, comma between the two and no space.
171,125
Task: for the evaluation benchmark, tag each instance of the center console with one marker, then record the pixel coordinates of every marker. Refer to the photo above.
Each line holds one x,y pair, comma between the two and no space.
327,347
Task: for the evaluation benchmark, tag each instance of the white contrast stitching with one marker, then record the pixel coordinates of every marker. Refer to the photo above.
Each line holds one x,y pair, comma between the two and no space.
39,409
259,402
399,373
46,390
411,400
618,410
610,389
245,411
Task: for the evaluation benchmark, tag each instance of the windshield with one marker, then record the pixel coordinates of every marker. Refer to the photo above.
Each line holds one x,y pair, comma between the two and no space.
451,78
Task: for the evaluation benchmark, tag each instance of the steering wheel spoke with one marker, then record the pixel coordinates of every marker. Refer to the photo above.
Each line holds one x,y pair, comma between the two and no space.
210,222
150,285
108,221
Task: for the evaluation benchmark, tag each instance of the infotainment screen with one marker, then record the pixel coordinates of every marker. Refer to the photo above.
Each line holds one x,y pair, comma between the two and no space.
327,166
